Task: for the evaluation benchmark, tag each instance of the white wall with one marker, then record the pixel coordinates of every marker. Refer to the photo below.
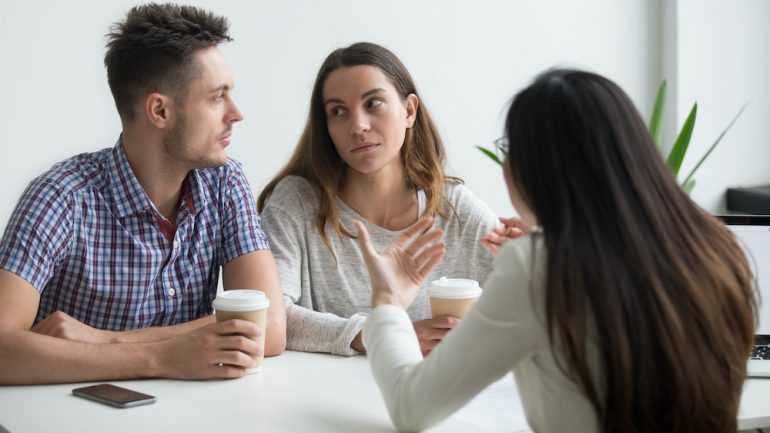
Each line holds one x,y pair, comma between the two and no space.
722,62
468,59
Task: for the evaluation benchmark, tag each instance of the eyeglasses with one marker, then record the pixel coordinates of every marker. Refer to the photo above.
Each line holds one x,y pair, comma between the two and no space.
501,147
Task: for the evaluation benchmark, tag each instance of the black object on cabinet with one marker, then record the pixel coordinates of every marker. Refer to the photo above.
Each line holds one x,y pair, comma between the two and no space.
754,200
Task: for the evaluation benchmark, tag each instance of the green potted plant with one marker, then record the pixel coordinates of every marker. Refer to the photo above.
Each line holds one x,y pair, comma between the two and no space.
678,149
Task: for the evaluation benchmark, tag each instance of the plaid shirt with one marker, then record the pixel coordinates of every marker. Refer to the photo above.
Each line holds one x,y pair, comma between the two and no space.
88,238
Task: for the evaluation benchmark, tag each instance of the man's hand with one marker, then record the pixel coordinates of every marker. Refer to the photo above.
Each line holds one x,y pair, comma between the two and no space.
430,332
512,228
64,326
221,350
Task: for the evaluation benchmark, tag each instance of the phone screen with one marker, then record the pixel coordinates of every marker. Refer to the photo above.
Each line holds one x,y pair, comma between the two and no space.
113,395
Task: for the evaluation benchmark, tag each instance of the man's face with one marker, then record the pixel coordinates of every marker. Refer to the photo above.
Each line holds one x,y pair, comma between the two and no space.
205,119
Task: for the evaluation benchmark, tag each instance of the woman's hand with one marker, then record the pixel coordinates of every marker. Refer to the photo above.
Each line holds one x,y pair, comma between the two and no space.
398,273
430,332
512,228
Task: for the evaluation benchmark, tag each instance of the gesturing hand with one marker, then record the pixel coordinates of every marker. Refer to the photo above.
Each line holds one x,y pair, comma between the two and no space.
398,272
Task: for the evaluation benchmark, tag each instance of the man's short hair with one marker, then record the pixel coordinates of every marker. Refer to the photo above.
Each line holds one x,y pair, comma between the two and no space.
153,49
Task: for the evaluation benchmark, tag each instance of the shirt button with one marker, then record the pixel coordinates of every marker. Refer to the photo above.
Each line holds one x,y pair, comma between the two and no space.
171,292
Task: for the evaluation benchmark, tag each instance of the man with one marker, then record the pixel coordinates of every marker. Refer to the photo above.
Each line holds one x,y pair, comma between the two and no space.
111,259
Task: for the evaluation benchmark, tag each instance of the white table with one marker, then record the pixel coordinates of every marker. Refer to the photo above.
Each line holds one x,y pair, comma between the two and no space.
296,392
754,412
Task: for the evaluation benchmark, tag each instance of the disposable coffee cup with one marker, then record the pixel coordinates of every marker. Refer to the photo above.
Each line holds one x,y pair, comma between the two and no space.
452,296
248,305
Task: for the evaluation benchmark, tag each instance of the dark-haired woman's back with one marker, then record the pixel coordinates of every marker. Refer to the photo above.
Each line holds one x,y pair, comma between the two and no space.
630,309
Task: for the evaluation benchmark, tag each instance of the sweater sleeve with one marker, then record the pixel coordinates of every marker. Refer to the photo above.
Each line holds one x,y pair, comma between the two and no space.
497,333
307,330
314,331
478,221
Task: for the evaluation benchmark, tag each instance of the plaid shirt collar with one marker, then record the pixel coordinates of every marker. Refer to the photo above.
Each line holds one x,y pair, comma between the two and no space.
128,196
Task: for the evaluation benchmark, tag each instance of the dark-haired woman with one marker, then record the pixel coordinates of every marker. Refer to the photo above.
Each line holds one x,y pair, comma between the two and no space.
369,152
629,310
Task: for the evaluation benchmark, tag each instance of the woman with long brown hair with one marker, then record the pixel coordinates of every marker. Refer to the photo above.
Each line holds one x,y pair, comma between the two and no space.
630,309
369,152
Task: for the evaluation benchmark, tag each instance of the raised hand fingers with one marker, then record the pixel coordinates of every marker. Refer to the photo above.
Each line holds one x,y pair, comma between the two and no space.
423,240
413,230
363,238
428,259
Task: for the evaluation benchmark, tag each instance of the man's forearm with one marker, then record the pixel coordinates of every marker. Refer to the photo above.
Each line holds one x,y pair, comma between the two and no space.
158,333
275,338
30,358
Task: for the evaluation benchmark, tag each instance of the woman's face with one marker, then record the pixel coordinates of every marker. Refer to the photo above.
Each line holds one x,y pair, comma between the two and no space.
525,213
366,118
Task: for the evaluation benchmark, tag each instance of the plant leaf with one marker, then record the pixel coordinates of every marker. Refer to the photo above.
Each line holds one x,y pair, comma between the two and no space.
656,118
676,156
490,154
688,185
708,152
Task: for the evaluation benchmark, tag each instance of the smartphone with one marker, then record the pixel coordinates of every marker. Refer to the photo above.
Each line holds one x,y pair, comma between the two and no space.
114,395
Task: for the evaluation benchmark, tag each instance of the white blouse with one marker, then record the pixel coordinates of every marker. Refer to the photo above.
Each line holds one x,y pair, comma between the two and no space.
504,331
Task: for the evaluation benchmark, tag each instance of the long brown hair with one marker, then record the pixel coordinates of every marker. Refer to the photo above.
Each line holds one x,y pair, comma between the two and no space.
665,287
316,159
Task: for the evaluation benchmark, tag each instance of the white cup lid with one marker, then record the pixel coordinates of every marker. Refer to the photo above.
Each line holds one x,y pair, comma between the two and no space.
241,300
454,288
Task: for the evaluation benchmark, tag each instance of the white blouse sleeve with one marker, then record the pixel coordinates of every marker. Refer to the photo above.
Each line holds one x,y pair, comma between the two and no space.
500,330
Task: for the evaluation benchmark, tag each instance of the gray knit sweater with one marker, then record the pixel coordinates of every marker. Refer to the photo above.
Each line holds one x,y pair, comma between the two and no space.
327,302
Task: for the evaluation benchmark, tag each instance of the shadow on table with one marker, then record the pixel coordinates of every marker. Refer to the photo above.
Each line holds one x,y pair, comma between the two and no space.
350,422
